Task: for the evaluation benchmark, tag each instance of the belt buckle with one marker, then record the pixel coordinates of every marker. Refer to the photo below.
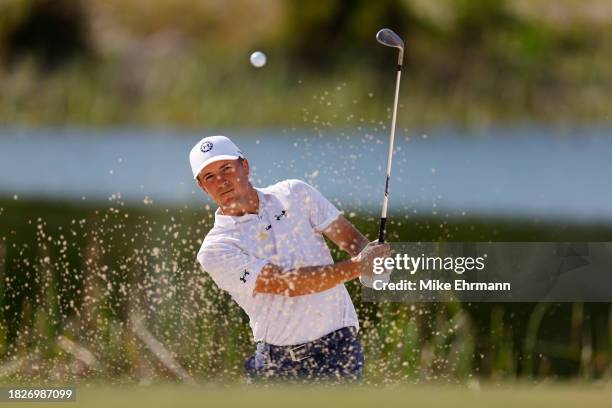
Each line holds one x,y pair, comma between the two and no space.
292,353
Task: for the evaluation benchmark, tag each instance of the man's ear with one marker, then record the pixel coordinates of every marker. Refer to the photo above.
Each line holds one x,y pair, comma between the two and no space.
201,185
245,163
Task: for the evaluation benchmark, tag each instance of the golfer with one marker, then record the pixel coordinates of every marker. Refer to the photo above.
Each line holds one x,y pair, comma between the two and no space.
267,250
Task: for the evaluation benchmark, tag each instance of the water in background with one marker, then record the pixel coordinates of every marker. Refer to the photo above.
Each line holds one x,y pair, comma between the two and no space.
519,171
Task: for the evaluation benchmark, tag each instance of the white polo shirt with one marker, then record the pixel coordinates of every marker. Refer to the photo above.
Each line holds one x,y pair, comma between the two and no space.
286,232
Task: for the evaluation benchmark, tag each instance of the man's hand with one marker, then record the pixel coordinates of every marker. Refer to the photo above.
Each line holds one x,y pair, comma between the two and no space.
365,259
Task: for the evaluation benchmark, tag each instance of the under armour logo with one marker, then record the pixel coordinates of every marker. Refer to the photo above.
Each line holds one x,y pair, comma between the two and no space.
282,214
244,275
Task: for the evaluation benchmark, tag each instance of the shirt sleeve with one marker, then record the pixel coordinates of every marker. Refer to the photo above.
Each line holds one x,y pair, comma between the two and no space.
232,269
321,211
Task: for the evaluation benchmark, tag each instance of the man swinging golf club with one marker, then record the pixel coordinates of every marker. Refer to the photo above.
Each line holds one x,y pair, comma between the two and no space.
267,249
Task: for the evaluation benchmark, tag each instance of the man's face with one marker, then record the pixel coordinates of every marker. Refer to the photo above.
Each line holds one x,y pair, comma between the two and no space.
226,181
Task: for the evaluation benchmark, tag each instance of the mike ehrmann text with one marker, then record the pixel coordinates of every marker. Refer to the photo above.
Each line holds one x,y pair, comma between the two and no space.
438,285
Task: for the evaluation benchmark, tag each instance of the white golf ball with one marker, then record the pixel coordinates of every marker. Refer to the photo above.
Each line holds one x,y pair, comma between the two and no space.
258,59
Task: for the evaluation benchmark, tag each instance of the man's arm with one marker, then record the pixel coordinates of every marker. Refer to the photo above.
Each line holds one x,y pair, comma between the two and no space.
346,236
313,279
305,280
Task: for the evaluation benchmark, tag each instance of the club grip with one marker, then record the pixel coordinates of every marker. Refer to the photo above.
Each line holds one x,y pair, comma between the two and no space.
381,230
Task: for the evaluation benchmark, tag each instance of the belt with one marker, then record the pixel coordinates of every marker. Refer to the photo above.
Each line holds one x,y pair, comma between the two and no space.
299,352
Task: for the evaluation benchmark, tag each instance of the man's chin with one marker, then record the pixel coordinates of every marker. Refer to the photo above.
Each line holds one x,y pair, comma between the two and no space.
229,202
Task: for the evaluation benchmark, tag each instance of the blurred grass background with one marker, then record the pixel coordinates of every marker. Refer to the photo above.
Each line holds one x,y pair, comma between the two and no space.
83,273
185,62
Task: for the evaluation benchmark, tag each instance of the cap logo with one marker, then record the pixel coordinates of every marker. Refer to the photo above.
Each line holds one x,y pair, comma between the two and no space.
206,146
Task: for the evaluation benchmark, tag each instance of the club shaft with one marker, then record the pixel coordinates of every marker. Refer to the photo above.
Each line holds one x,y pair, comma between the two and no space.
383,216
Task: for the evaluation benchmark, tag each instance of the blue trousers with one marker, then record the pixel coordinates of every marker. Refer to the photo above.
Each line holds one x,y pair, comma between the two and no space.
335,357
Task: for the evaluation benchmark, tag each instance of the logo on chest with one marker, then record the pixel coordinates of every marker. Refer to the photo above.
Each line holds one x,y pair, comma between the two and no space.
277,217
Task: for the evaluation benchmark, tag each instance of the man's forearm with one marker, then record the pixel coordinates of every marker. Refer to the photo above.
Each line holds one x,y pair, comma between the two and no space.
306,280
346,236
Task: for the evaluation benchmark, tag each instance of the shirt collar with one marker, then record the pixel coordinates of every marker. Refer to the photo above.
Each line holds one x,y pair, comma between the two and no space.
230,221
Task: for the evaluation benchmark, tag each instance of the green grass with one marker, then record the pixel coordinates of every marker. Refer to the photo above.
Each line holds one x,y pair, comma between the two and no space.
508,395
81,271
198,91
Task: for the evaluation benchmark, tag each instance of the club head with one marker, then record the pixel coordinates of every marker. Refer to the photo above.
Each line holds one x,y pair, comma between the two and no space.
388,38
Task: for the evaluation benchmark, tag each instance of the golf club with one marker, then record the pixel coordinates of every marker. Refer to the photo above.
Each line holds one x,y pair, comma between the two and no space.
388,38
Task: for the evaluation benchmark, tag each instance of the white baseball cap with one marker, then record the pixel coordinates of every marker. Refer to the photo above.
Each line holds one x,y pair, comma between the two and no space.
212,149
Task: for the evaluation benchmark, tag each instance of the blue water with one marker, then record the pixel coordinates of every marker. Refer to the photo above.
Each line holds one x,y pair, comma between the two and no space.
520,171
